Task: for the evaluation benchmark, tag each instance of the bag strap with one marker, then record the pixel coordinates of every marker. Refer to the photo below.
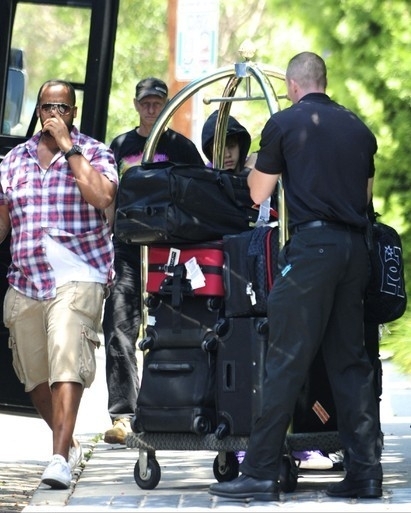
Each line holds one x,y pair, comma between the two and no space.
206,269
227,185
268,259
207,174
177,296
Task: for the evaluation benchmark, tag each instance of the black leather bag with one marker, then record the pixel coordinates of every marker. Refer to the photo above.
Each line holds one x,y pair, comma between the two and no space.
175,203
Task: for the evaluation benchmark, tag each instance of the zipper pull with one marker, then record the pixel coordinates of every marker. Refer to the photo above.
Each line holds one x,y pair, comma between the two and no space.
250,292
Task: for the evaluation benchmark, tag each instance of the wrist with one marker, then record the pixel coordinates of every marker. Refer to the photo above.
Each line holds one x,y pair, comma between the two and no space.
74,150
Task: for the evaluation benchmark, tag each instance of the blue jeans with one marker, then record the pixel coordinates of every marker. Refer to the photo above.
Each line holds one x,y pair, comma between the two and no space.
121,325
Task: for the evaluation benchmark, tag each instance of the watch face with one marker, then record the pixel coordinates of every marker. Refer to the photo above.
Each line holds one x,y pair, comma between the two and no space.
75,150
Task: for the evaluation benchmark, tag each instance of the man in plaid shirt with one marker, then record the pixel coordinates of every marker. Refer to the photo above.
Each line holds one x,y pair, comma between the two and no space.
54,189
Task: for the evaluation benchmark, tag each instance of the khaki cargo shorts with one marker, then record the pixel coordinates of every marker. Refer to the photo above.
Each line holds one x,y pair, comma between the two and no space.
55,340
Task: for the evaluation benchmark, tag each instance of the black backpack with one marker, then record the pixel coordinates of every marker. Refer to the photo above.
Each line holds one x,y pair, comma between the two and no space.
385,297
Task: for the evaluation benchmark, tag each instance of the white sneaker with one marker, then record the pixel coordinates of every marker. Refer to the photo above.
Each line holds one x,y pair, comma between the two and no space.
57,474
75,456
312,460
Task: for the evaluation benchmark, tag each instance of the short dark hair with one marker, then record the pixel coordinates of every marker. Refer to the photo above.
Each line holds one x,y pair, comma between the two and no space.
307,69
54,82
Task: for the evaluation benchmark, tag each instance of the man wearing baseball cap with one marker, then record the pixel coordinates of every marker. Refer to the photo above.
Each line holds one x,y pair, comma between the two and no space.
151,87
122,315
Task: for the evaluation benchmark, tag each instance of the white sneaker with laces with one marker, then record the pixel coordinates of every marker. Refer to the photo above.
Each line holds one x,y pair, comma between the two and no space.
57,474
75,456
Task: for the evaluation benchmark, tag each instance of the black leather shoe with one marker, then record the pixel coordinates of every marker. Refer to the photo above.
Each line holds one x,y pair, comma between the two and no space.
348,487
246,487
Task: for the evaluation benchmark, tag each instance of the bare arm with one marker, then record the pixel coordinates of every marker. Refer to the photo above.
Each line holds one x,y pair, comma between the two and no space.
4,222
261,185
251,160
95,188
110,214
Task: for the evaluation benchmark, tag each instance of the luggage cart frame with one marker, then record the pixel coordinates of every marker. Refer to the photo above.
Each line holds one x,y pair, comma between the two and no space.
147,472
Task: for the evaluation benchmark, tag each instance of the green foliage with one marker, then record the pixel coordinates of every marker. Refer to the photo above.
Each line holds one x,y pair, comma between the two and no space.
366,48
141,50
52,47
365,45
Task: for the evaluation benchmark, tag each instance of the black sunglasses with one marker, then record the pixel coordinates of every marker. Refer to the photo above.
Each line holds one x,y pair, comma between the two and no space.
62,108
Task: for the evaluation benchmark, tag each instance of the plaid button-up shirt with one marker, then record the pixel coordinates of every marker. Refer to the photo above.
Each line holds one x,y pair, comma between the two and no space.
50,203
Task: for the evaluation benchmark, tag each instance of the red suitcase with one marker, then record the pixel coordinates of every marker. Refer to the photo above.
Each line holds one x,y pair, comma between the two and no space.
166,262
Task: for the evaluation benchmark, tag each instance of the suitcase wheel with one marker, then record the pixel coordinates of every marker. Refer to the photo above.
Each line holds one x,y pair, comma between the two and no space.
262,326
149,479
221,327
146,343
227,470
222,430
210,342
152,301
214,303
201,425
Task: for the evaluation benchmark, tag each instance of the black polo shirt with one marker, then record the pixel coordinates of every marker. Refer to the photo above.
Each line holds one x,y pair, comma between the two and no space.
325,154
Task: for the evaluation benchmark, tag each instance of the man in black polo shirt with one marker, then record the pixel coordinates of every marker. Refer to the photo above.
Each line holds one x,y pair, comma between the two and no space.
325,156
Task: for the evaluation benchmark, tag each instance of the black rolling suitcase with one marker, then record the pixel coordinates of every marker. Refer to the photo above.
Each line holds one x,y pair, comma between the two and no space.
242,347
182,307
189,324
177,393
315,409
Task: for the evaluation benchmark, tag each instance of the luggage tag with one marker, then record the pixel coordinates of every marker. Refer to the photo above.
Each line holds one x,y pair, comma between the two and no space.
264,212
173,259
151,320
195,274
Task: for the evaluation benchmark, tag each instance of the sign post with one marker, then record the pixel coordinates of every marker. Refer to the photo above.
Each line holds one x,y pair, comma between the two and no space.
196,38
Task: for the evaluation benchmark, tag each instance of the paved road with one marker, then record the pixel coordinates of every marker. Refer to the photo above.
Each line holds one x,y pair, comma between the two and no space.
107,481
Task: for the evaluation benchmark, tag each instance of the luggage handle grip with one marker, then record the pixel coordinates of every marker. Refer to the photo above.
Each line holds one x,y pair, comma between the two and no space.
170,367
135,213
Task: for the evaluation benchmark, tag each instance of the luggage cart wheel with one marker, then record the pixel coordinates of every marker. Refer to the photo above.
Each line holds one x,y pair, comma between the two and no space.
288,474
147,480
226,469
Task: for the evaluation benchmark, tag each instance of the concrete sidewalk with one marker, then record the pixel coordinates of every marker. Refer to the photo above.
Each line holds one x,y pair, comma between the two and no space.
106,483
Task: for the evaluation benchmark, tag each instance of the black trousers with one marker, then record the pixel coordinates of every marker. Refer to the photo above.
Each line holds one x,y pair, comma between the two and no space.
317,301
121,325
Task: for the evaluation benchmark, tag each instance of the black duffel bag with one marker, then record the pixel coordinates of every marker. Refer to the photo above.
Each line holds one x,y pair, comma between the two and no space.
163,202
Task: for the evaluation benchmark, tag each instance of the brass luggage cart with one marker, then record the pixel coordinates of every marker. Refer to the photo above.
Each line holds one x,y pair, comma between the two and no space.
242,79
